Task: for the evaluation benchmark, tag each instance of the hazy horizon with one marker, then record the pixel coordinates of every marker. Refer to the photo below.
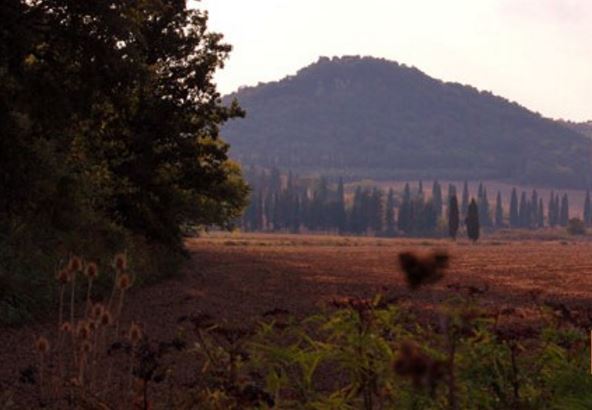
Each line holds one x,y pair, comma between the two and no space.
535,53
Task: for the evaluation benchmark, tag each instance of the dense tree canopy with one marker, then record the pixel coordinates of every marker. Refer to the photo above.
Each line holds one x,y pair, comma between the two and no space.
109,125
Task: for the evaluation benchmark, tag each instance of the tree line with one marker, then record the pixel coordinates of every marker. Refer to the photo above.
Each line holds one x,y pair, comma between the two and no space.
285,202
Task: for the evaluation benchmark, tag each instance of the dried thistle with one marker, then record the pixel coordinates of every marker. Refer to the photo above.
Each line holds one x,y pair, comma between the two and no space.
82,330
63,276
42,345
120,262
75,264
424,270
97,310
135,333
124,281
86,347
66,327
106,319
91,271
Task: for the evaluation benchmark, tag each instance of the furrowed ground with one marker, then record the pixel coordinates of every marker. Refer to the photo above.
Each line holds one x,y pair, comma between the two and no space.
237,277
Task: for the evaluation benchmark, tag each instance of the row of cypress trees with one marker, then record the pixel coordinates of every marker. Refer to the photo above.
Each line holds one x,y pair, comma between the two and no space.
288,203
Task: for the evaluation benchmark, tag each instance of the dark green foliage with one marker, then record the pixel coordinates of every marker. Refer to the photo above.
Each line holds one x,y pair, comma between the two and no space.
464,208
390,213
499,211
354,116
587,210
483,204
553,211
453,216
405,214
472,221
341,215
514,215
564,212
437,198
109,134
541,214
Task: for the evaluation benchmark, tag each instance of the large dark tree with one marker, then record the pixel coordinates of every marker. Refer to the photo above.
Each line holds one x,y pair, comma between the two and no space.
109,127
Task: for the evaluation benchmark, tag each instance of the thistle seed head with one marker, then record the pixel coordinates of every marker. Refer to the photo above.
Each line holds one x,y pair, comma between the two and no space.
124,281
120,262
135,333
42,345
91,271
75,264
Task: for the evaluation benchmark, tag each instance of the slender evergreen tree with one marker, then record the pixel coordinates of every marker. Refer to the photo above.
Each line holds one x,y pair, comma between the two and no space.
405,214
541,214
499,211
514,215
523,216
341,216
564,214
472,221
390,213
464,207
534,208
453,216
552,211
587,210
437,198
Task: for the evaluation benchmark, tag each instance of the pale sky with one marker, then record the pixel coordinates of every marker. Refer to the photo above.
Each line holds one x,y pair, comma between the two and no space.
535,52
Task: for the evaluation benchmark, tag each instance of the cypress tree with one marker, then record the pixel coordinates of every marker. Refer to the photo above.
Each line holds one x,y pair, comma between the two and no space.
390,213
472,221
541,214
341,217
564,215
587,210
376,214
437,198
453,216
557,210
551,211
523,216
499,211
483,204
404,218
514,216
465,200
356,212
534,208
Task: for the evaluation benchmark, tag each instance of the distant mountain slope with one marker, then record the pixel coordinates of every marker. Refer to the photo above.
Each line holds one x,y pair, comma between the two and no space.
368,117
584,128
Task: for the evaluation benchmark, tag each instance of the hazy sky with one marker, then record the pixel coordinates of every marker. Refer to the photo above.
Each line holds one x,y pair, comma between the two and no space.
535,52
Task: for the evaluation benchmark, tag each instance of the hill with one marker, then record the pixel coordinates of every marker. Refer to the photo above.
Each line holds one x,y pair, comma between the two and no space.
372,118
584,128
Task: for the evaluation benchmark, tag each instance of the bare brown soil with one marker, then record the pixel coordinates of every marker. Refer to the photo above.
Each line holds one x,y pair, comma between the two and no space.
238,277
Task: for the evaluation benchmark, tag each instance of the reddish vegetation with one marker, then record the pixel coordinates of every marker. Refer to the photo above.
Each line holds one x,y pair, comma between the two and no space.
237,278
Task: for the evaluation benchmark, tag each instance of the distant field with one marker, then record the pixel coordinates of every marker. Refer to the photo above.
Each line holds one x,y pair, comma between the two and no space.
576,197
304,270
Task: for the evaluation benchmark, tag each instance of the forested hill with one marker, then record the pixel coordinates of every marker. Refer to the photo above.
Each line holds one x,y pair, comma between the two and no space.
368,117
584,128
